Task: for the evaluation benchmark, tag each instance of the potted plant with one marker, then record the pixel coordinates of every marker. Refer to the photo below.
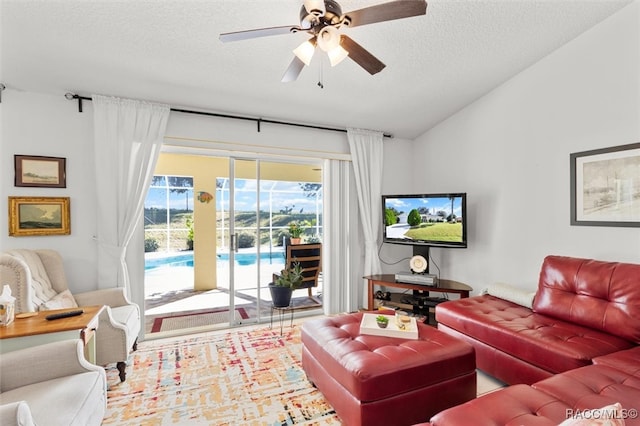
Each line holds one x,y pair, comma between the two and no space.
382,321
295,232
282,287
189,223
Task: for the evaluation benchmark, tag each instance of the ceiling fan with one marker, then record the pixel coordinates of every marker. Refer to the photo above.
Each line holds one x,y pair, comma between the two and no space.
323,20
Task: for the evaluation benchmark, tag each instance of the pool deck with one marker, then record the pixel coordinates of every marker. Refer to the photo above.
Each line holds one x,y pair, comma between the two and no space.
170,292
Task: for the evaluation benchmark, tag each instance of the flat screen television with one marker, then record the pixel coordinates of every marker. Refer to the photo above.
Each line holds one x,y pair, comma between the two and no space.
431,220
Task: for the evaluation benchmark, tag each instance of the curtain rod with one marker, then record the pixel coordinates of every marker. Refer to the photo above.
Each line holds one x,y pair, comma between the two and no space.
71,96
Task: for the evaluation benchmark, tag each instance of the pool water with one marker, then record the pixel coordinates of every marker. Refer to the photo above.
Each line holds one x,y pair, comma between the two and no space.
186,260
169,261
245,259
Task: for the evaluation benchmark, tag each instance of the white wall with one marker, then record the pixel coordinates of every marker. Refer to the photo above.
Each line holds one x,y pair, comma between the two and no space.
510,152
37,124
42,124
397,179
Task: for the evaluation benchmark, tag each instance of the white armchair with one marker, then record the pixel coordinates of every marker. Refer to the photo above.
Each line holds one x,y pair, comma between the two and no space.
51,384
38,282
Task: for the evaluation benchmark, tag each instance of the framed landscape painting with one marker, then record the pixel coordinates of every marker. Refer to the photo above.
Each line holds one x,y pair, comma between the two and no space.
37,171
605,186
30,216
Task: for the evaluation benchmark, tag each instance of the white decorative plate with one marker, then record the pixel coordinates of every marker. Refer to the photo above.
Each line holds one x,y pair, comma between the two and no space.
418,264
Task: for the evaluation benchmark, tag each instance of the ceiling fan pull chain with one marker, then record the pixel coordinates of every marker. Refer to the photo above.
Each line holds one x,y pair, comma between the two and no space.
321,77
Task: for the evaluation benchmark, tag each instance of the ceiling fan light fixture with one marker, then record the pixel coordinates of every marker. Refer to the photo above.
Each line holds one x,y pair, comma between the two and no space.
305,52
328,38
315,7
337,55
324,21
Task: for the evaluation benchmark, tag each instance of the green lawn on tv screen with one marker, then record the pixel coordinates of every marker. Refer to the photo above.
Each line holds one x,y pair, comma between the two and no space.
440,231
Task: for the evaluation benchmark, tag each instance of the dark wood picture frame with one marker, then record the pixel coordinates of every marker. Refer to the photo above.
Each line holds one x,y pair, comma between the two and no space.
605,186
39,171
33,216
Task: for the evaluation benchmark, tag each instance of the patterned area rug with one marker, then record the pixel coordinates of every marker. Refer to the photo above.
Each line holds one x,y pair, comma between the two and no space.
198,319
237,378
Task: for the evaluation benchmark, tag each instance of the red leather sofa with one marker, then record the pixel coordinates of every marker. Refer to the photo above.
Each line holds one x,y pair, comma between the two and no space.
577,347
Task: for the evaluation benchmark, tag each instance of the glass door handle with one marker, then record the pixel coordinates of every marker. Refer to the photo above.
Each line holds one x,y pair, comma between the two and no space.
234,242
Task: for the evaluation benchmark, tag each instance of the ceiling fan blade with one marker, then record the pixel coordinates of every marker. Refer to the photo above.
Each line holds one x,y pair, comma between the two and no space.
260,32
361,56
386,12
294,70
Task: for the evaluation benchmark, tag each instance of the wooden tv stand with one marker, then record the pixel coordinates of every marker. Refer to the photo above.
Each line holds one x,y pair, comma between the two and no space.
388,280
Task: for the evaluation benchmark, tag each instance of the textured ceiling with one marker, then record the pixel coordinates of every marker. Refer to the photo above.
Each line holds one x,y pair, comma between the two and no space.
169,51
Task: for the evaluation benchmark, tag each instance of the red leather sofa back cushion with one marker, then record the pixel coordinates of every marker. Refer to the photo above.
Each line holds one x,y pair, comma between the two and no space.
596,294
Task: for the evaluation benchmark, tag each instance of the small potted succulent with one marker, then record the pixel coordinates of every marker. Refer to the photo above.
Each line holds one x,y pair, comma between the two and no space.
284,284
382,321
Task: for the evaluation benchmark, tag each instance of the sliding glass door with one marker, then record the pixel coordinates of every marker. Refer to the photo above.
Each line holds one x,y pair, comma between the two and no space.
244,247
215,231
257,202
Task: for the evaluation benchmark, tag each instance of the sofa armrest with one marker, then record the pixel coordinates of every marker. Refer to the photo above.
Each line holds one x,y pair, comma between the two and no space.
44,362
16,414
109,296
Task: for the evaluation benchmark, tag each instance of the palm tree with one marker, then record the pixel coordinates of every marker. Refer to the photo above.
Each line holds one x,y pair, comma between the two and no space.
451,198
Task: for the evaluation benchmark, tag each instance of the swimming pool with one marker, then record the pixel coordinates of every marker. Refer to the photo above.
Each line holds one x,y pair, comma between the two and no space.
245,259
241,259
171,261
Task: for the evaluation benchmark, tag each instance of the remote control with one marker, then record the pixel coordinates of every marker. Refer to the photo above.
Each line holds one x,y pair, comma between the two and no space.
64,314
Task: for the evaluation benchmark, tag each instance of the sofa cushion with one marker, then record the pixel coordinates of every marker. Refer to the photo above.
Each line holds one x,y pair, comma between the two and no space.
627,361
72,400
592,387
596,294
549,343
611,415
59,301
513,406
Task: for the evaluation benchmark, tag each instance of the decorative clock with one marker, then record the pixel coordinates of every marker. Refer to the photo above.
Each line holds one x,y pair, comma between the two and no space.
418,264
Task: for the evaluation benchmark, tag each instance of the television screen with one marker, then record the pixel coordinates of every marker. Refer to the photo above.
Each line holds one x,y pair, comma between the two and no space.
436,220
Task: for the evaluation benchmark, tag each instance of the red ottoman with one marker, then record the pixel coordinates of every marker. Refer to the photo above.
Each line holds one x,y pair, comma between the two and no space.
385,380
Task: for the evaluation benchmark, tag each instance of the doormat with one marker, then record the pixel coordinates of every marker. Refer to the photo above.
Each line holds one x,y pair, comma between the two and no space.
306,302
199,319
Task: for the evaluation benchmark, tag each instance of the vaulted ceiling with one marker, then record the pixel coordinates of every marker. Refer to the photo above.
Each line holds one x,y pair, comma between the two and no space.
169,51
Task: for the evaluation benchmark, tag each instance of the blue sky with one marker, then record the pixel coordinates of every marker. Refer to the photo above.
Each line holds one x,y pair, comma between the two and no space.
278,194
433,204
283,195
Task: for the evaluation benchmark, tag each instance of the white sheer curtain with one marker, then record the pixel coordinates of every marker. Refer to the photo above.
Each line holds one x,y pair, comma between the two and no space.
128,136
341,294
367,158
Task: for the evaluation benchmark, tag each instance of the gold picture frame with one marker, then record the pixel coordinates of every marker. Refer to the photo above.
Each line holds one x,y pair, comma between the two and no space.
37,216
40,172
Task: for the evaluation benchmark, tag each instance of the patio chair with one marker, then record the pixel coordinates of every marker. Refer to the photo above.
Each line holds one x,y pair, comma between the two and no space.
310,258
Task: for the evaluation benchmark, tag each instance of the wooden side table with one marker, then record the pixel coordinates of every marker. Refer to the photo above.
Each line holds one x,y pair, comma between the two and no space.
37,330
389,280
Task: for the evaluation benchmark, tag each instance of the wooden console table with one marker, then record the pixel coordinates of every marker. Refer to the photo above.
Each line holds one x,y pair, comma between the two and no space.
37,330
389,280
